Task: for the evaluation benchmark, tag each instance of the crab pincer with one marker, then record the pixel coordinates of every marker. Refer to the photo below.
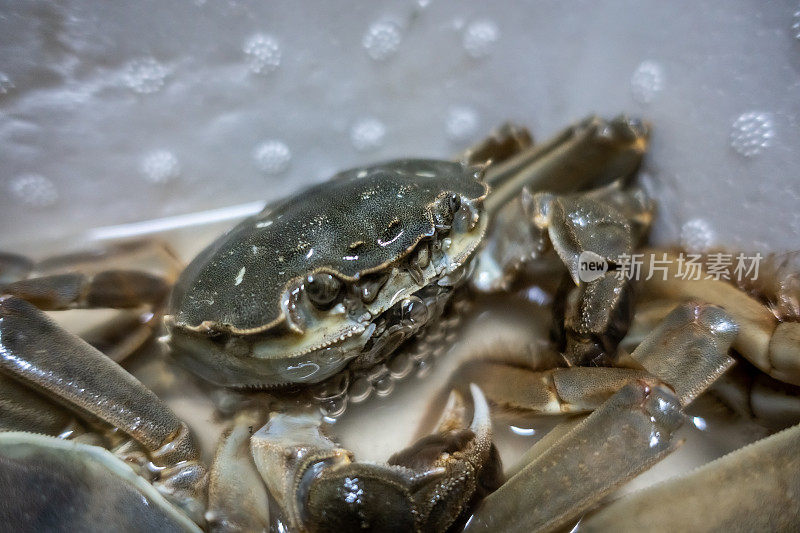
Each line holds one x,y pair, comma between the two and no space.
429,486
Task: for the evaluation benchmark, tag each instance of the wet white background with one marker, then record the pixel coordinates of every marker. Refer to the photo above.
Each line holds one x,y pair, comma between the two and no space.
120,112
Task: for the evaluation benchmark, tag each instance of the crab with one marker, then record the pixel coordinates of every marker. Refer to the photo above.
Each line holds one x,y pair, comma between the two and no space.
283,301
322,318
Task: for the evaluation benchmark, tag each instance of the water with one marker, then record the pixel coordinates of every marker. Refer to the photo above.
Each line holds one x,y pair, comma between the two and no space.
380,426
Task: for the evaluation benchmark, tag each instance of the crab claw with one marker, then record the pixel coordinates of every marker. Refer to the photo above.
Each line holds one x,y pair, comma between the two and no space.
428,486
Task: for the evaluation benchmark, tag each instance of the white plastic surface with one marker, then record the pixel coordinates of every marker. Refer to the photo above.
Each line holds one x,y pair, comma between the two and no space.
119,112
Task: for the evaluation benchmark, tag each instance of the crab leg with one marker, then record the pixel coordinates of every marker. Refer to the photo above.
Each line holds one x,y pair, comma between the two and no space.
97,279
769,344
594,228
591,152
647,316
596,316
625,436
754,395
755,488
117,289
697,336
748,392
149,255
503,143
37,352
541,445
693,338
237,497
93,279
513,390
22,409
688,351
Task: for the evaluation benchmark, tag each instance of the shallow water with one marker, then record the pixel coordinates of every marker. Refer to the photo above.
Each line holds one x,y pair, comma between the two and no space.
380,426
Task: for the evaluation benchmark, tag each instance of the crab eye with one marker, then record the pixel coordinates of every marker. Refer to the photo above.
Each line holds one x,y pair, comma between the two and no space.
453,202
322,289
446,208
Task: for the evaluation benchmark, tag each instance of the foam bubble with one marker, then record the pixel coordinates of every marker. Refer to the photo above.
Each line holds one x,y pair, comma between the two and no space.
5,83
480,37
647,81
697,235
160,166
461,123
145,75
752,132
263,53
33,190
367,134
382,40
272,156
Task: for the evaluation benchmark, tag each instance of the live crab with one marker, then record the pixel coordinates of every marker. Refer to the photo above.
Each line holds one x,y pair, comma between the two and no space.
351,285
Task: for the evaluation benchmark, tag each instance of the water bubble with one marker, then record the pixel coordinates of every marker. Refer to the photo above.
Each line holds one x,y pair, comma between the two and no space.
145,75
5,83
751,133
697,235
461,124
423,3
382,381
401,365
479,38
360,390
263,53
647,80
272,156
424,365
33,190
367,134
160,166
796,24
382,40
333,408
